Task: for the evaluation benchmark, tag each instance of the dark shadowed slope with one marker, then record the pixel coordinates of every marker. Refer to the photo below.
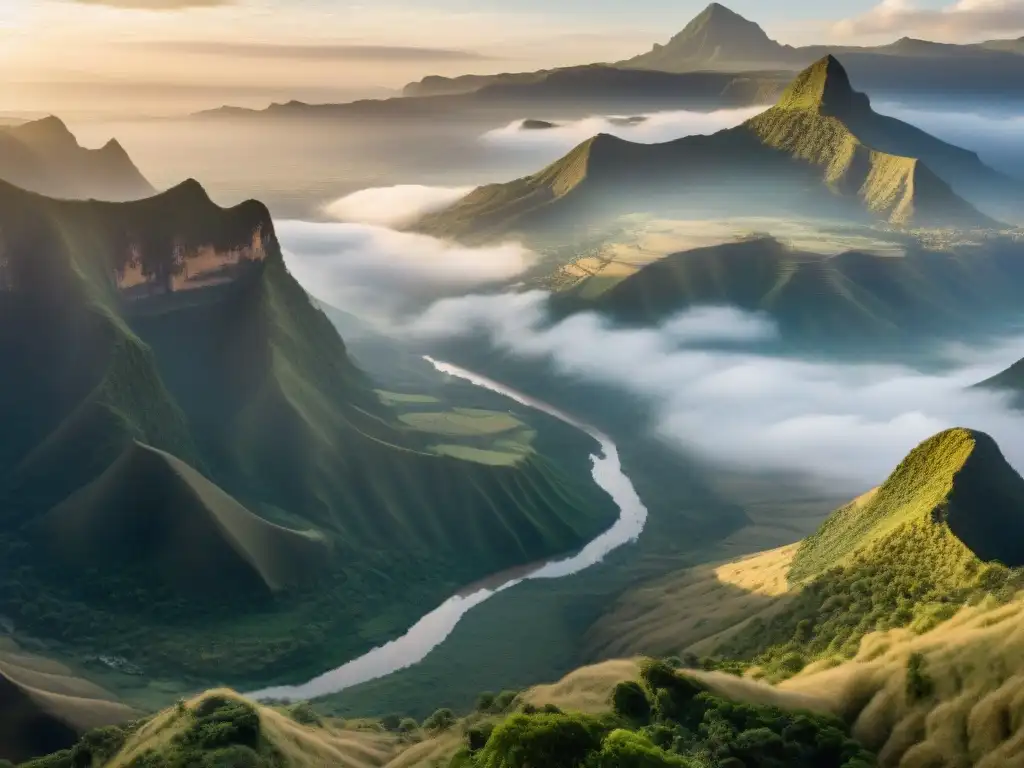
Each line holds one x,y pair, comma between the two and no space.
44,156
174,384
853,298
44,707
781,161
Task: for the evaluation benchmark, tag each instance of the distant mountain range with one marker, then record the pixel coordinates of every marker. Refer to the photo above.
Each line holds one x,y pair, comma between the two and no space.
722,41
44,156
821,150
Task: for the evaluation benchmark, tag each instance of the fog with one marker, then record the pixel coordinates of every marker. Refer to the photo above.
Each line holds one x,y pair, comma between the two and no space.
995,136
373,270
654,128
845,424
394,206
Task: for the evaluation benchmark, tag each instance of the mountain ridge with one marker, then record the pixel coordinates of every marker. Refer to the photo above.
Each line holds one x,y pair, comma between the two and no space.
44,156
811,123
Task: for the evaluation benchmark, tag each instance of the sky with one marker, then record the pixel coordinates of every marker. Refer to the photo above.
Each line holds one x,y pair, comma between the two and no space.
180,55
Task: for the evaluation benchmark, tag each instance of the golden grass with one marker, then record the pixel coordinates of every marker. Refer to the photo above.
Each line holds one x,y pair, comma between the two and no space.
300,746
587,689
695,607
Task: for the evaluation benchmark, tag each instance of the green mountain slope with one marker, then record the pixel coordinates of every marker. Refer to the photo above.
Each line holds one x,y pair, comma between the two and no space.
780,162
942,532
44,156
174,384
852,297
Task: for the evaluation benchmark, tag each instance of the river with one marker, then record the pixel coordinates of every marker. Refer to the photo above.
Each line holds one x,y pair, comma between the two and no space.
431,630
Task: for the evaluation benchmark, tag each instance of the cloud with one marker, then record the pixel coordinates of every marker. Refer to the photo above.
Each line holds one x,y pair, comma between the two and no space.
656,127
958,21
156,5
847,424
376,270
300,52
393,206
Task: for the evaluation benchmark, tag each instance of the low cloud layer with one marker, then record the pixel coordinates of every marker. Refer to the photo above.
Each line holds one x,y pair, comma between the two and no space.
656,127
394,206
846,424
156,5
962,20
995,137
338,52
375,270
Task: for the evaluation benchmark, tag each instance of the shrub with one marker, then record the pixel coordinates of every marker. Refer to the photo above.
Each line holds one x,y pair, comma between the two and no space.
531,741
304,714
503,701
551,709
390,722
625,749
629,700
477,736
485,702
408,725
441,720
919,684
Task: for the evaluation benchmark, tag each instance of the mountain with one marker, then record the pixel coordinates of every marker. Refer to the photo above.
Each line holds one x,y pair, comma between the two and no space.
190,458
907,70
943,530
1010,381
822,136
717,38
571,90
853,297
44,156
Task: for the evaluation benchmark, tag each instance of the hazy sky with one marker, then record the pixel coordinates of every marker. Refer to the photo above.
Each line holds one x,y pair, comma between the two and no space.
178,55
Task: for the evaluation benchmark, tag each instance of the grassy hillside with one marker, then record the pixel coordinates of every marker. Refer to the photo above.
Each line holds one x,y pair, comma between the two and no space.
942,531
780,161
852,297
180,403
45,157
646,714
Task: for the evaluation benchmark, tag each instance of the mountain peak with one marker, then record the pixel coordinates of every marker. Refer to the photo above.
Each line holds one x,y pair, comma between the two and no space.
824,86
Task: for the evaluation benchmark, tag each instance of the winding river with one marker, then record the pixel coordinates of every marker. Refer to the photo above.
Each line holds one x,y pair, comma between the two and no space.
431,630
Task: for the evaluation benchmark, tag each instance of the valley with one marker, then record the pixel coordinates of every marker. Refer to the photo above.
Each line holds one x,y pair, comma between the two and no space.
658,412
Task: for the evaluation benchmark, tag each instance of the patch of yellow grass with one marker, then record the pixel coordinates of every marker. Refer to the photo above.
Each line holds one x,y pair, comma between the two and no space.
694,608
300,746
587,689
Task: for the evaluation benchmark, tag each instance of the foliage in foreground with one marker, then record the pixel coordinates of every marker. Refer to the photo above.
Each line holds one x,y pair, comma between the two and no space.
221,732
666,721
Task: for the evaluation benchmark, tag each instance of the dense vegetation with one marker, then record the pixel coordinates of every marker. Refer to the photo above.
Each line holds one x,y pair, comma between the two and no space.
667,720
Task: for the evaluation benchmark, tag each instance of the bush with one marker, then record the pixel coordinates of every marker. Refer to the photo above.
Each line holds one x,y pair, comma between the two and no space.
390,722
304,714
532,741
485,702
477,736
919,684
625,749
629,700
441,720
503,701
408,725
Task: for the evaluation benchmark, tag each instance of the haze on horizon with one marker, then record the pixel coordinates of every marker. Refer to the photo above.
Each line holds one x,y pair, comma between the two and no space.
158,57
